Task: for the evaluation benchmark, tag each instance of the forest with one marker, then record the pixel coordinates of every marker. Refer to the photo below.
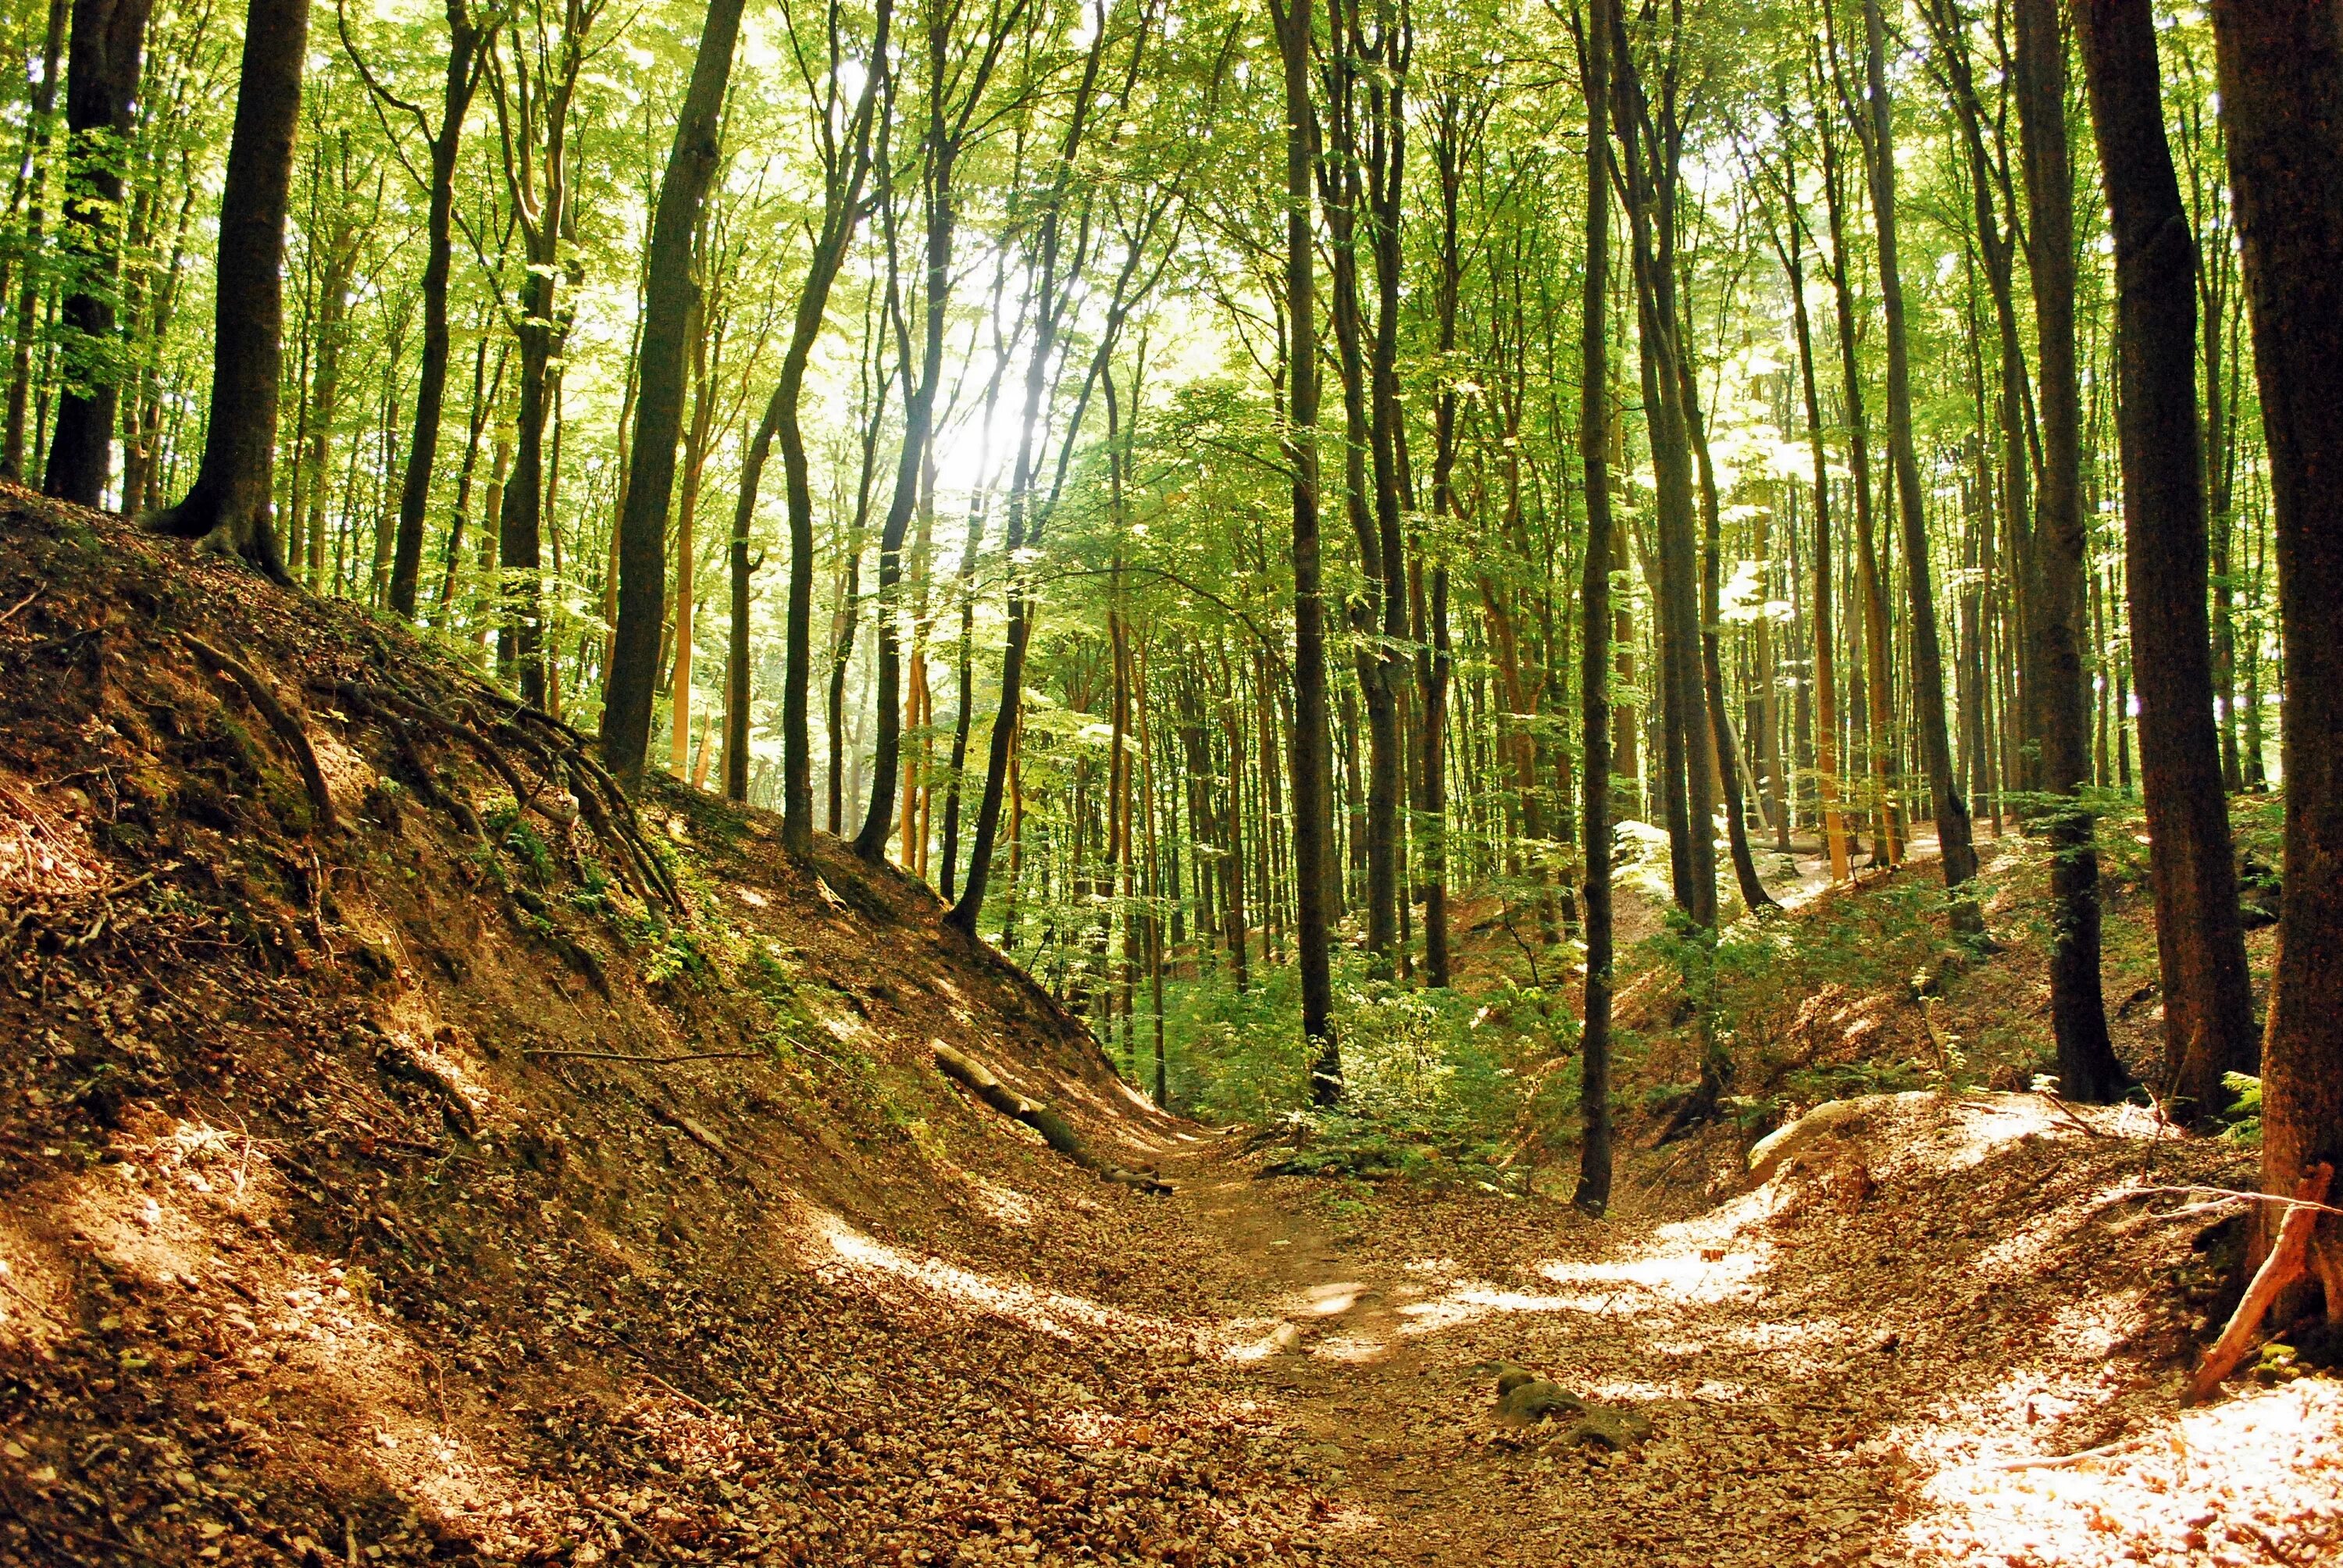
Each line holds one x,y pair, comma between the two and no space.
1440,575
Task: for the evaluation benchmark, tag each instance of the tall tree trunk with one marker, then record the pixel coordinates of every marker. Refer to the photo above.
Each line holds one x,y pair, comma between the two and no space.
918,408
1649,190
687,537
1050,303
100,90
325,392
2088,1067
2281,76
34,176
1792,247
1724,745
1593,1193
2208,1025
669,296
842,211
1312,755
1957,854
466,39
231,507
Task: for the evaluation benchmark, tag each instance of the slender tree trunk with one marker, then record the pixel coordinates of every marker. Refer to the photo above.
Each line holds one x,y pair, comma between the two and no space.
1825,643
1593,1193
1049,318
465,41
2088,1067
36,177
231,507
1724,745
841,210
669,297
687,537
103,86
2281,76
918,408
1957,854
1311,764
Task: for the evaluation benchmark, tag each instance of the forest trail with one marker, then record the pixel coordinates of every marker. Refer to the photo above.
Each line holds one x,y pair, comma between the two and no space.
1353,1380
1865,1360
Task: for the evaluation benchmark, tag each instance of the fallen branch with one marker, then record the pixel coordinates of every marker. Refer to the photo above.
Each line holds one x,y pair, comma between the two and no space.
286,728
1054,1129
651,1061
2282,1268
2128,1193
2105,1451
2071,1114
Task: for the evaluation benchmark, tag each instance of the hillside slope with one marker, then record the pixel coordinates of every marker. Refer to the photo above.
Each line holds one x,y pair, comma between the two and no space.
314,1245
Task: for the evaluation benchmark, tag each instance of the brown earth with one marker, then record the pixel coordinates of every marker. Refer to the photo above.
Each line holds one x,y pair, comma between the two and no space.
315,1248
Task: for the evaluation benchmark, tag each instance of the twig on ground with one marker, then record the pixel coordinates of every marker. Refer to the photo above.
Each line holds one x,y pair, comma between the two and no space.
2104,1450
2231,1194
11,613
649,1376
2071,1114
651,1061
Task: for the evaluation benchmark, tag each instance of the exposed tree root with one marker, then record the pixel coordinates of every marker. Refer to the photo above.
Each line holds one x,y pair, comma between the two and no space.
281,721
2283,1266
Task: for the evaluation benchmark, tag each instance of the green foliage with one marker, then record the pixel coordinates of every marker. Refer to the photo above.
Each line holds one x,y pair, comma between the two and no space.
2244,1117
1434,1082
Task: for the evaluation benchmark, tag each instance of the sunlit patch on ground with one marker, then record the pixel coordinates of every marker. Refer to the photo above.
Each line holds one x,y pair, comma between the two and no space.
835,1244
2255,1479
1350,1349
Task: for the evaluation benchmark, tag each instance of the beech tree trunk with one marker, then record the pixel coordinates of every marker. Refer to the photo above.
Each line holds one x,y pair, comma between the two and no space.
231,505
841,212
2208,1026
1593,1193
466,39
2088,1067
669,297
101,86
1957,854
2281,76
918,408
28,289
1311,764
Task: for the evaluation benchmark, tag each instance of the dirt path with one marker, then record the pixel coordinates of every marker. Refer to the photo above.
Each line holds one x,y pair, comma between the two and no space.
1866,1365
1359,1390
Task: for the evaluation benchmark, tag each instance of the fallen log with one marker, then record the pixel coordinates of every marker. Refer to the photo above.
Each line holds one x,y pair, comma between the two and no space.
2283,1266
1054,1129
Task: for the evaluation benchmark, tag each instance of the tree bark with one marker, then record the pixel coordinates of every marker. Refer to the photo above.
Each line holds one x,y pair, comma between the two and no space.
2208,1027
1593,1192
466,40
842,211
669,297
34,176
1312,758
2088,1067
918,410
231,505
2281,76
101,86
1957,855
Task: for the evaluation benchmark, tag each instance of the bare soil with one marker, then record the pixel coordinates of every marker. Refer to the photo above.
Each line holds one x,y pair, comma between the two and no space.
335,1227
